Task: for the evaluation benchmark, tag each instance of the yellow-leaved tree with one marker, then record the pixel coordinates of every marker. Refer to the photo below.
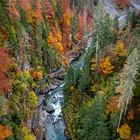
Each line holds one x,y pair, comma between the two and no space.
124,132
106,66
27,135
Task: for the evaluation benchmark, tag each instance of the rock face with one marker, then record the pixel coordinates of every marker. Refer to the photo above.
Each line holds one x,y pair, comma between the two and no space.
38,117
113,9
51,114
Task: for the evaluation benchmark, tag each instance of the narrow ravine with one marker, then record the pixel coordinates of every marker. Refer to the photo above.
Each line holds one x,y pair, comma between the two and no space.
67,66
54,123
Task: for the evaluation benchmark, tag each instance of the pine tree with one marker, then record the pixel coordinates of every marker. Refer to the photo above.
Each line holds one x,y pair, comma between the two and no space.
84,80
94,125
23,17
39,43
102,37
69,79
129,76
59,10
102,27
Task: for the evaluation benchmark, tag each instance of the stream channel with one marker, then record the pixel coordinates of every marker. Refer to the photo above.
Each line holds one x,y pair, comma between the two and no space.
54,123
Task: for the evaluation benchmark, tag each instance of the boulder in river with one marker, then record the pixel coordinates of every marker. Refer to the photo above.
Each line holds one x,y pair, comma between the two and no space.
50,109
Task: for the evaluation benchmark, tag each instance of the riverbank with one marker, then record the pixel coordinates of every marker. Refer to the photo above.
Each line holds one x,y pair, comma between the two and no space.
101,101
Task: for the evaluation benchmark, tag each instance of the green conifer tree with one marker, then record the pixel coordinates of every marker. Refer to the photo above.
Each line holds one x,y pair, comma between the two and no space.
84,80
69,79
94,125
59,10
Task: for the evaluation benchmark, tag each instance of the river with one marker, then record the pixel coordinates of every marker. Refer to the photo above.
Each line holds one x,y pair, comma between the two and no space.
54,123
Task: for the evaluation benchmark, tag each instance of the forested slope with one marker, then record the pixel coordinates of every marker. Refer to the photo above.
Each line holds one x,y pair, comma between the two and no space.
35,37
95,45
102,97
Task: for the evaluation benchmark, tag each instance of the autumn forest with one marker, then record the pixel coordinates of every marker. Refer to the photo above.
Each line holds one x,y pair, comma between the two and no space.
69,69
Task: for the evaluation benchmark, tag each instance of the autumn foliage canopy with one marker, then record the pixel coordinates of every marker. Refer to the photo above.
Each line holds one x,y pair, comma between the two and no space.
4,132
5,64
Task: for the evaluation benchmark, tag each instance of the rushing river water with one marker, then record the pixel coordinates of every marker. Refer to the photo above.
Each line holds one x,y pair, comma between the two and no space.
54,123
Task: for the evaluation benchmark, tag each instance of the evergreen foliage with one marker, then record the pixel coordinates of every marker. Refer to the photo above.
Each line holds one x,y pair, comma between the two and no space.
129,76
102,27
84,80
59,10
39,36
39,44
69,80
94,124
103,36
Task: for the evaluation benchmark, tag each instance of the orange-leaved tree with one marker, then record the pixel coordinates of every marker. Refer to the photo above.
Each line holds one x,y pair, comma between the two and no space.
12,8
5,64
49,11
65,23
25,4
4,132
55,39
38,11
122,3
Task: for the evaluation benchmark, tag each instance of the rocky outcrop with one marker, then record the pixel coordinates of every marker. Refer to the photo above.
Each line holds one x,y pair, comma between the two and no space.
112,8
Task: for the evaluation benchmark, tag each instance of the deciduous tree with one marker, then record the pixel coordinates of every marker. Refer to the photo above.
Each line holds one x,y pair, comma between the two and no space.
5,64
